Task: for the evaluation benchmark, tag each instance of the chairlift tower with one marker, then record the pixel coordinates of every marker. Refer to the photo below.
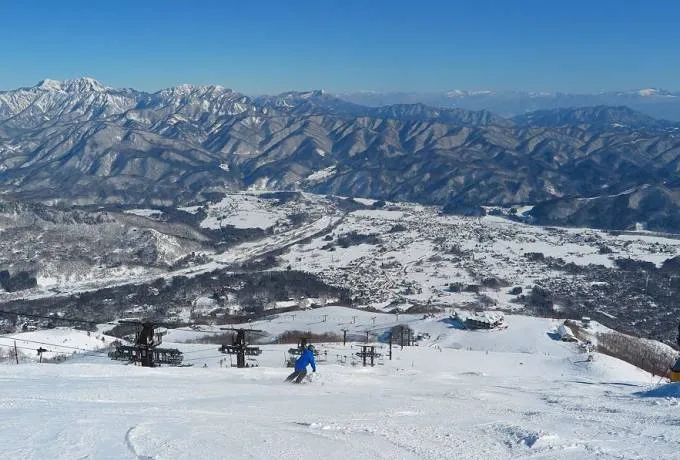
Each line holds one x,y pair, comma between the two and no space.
368,351
240,347
145,350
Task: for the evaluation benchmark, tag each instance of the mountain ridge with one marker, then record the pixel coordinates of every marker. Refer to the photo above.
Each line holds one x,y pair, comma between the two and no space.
655,102
82,142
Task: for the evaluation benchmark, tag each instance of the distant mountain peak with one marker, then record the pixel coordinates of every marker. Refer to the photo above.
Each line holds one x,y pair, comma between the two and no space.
602,115
196,90
649,92
84,84
49,85
302,94
313,93
306,100
465,93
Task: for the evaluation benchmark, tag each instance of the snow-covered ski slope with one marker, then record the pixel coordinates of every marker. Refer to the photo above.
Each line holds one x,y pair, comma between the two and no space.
514,393
60,342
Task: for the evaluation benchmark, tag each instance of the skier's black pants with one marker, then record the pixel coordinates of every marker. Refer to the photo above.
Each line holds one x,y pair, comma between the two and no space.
297,376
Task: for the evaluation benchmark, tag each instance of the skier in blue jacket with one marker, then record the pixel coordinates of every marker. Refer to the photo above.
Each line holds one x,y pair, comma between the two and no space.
307,357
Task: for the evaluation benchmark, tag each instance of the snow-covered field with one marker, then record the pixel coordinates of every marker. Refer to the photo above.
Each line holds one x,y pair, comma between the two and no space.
244,211
421,252
514,393
418,253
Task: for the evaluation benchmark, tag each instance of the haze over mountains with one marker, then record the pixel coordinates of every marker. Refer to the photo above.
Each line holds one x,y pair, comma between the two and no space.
81,142
659,103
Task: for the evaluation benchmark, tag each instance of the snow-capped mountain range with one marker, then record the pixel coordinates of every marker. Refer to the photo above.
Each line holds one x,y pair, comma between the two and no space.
79,141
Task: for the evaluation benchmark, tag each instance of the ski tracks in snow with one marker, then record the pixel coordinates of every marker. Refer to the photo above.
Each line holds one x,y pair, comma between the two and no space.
131,447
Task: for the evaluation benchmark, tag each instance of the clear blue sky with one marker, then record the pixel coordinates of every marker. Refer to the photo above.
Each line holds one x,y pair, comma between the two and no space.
270,46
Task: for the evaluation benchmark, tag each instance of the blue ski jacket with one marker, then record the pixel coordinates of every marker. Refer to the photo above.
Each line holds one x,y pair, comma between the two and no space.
307,357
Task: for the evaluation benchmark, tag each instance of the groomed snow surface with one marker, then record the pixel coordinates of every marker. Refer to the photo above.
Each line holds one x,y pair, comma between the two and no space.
514,393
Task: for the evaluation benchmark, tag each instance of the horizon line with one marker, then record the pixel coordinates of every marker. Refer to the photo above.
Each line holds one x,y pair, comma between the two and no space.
358,91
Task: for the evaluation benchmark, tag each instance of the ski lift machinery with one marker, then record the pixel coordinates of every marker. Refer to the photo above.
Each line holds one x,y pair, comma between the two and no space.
145,349
240,346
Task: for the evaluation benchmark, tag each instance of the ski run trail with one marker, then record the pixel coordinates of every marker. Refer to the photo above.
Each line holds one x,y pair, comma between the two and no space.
514,393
